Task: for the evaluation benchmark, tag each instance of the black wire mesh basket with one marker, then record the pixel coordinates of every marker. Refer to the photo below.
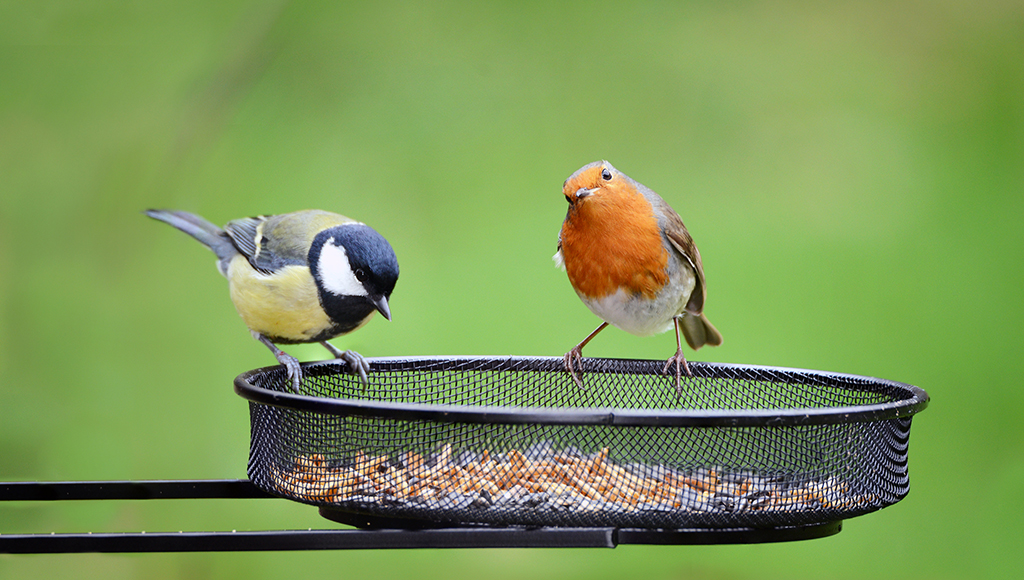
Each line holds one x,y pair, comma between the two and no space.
446,442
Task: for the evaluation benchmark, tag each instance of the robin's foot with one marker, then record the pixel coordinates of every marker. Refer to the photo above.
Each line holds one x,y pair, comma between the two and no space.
574,356
681,364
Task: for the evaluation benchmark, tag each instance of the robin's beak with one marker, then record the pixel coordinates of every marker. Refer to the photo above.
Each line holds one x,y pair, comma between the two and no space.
584,192
381,304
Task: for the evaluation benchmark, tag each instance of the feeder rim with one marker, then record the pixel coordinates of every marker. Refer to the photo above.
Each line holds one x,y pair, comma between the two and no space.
916,401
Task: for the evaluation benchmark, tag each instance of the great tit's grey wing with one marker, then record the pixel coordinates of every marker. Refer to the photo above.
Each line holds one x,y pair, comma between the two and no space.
248,235
290,236
293,233
243,234
273,242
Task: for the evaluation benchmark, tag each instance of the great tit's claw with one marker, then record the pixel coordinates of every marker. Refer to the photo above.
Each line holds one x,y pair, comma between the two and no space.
358,363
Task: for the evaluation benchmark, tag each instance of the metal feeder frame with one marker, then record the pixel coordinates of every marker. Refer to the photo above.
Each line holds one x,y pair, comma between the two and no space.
380,531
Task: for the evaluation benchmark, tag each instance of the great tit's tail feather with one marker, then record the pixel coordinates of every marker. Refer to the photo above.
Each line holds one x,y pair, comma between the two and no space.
207,233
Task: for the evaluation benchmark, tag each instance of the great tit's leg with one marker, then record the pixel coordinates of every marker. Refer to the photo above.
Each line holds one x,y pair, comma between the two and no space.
576,355
335,351
290,362
677,358
360,365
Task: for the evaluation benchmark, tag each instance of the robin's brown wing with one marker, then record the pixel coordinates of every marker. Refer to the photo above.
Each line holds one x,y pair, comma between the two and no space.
676,233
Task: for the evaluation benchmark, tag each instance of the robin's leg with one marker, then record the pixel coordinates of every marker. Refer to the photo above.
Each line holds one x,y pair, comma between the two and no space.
291,363
576,354
359,365
677,358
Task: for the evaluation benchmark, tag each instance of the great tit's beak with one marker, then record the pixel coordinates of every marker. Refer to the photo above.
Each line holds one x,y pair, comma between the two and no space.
381,304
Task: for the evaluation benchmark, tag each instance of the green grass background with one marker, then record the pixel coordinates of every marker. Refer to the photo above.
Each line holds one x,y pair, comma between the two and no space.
853,173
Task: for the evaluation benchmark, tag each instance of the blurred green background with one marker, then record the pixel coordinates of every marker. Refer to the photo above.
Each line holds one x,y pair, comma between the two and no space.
853,173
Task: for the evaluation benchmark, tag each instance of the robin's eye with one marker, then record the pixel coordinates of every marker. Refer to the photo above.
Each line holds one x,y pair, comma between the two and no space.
361,275
606,174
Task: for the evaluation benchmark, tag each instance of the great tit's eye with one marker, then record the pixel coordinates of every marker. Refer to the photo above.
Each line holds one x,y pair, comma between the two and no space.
361,275
606,174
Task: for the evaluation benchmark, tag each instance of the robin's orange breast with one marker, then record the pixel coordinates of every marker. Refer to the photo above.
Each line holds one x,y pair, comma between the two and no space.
611,241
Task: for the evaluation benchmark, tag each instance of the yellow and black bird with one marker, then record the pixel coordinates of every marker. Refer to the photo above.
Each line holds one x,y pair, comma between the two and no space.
300,277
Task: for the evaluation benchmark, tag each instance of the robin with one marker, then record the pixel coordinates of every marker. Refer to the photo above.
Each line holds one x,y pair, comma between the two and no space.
632,262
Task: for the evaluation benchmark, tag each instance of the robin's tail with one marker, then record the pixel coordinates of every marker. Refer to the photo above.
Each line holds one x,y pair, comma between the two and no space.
699,331
208,234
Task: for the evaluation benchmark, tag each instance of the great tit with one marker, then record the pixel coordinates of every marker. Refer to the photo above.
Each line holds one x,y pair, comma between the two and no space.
300,277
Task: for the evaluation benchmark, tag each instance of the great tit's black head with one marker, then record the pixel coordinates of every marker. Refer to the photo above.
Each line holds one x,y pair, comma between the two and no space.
355,271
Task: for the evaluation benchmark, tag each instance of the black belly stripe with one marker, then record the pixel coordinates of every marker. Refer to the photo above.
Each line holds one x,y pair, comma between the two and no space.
347,313
326,334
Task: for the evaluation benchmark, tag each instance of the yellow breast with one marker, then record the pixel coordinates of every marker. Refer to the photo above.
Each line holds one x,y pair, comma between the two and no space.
283,306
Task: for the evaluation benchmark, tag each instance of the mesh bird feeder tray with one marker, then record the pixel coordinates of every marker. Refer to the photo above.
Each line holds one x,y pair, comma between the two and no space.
455,442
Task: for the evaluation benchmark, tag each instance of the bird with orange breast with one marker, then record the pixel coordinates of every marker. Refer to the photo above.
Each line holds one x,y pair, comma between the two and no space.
632,262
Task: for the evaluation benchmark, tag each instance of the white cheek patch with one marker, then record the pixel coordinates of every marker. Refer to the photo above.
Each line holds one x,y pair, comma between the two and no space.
335,272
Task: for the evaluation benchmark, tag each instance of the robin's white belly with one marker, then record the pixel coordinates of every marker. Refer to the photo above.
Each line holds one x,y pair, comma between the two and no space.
641,316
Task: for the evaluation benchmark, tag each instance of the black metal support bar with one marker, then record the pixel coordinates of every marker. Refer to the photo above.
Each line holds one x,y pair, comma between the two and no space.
148,489
708,536
362,539
286,540
307,540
